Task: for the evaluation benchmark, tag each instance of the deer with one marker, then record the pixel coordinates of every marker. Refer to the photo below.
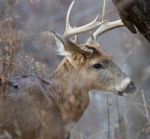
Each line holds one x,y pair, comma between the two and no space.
36,108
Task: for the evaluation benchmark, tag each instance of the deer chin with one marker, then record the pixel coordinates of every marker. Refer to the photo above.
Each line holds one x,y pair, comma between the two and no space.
126,87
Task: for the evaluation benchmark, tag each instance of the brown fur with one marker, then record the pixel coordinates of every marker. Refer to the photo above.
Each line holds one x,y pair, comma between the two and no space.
39,109
35,109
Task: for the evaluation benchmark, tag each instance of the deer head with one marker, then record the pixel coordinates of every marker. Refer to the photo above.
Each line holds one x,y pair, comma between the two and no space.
89,62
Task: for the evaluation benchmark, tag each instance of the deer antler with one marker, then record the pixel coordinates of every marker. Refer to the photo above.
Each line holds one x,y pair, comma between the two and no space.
106,26
70,31
101,27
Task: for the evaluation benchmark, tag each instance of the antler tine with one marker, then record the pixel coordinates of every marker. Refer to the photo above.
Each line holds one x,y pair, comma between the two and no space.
69,31
106,27
68,26
104,8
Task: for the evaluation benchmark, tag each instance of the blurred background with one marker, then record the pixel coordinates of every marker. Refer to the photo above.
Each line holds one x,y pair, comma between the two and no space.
26,24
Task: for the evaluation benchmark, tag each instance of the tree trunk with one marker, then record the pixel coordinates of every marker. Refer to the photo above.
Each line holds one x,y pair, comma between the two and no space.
135,13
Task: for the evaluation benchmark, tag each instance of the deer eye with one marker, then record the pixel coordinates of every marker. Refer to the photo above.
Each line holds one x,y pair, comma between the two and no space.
98,66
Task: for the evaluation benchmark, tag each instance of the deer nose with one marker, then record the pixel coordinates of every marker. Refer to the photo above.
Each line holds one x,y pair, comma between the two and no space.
130,88
126,87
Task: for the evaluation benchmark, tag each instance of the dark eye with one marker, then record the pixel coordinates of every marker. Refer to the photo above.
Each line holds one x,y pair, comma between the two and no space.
98,66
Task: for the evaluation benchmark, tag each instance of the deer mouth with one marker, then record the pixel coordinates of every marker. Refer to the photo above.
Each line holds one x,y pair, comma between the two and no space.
126,87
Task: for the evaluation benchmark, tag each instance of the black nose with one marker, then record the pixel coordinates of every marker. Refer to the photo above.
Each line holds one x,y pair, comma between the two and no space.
130,88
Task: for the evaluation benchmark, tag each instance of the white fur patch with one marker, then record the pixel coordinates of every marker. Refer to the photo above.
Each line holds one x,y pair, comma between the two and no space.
123,84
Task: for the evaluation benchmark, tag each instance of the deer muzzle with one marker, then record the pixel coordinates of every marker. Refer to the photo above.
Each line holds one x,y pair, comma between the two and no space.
126,87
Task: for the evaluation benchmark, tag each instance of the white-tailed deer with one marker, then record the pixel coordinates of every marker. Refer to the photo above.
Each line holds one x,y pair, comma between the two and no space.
38,109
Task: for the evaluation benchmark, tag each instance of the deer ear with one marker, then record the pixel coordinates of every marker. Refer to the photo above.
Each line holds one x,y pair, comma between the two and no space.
60,45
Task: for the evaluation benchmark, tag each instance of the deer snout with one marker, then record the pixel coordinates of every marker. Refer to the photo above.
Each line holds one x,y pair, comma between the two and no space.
126,87
130,88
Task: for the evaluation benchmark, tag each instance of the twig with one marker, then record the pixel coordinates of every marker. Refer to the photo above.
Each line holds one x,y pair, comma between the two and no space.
119,116
10,44
108,110
145,106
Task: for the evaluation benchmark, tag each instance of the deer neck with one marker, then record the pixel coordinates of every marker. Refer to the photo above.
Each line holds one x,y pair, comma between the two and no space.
74,96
